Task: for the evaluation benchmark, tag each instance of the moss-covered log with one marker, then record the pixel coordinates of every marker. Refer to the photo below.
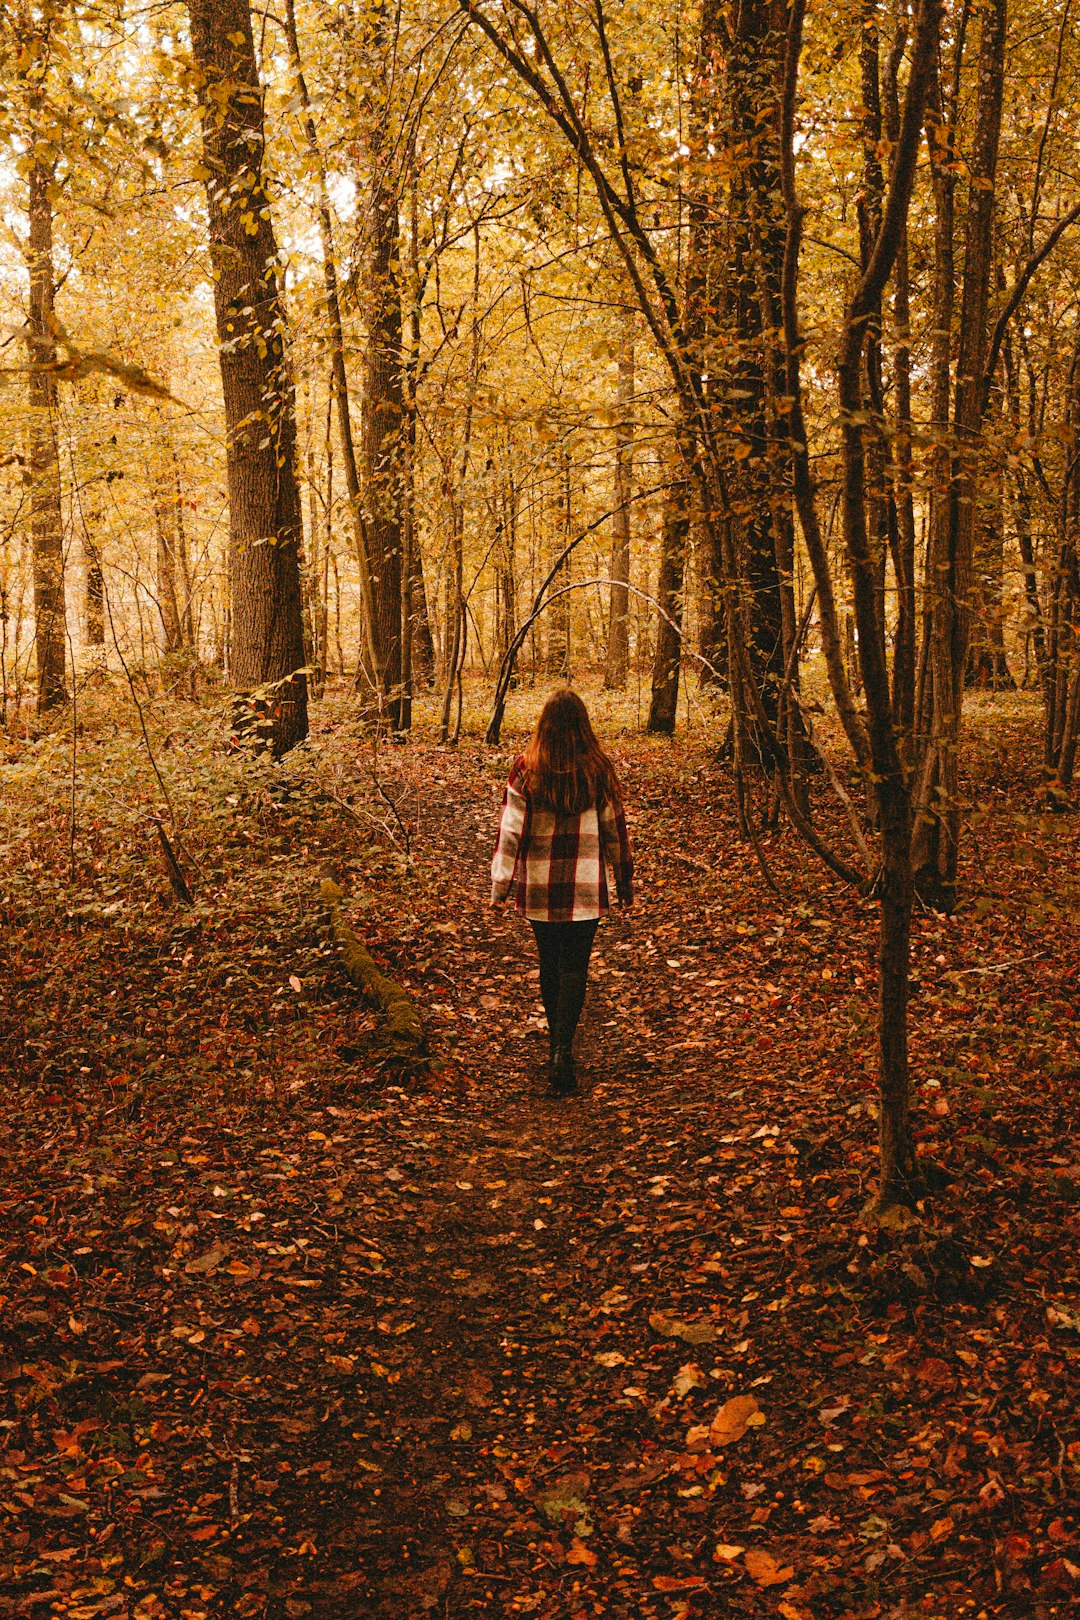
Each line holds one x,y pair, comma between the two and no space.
403,1031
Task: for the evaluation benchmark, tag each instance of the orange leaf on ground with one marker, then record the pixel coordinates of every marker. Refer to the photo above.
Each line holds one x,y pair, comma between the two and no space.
732,1420
764,1568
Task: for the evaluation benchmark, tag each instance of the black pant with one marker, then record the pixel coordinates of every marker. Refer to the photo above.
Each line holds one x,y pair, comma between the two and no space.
565,948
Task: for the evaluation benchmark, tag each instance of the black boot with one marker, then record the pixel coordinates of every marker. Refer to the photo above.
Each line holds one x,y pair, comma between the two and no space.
571,1000
563,1078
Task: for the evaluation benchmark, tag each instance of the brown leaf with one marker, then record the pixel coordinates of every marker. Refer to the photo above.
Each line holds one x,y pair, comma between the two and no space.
935,1374
580,1554
203,1264
765,1569
732,1420
671,1327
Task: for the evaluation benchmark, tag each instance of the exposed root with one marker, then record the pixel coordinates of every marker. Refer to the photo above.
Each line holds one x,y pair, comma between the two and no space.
402,1035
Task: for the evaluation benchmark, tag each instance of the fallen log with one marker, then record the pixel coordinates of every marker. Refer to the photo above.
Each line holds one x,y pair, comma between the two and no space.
402,1034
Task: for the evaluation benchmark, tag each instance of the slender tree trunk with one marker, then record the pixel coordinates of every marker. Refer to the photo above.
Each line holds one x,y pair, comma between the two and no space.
46,522
988,665
371,655
456,627
618,641
1023,523
1063,708
265,523
94,594
168,600
383,438
902,528
937,832
422,644
669,594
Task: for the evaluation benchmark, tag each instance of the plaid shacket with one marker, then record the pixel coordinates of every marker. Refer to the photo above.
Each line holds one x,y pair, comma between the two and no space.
559,863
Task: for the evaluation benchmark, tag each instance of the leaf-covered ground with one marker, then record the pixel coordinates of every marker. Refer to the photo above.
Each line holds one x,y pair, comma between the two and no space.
287,1333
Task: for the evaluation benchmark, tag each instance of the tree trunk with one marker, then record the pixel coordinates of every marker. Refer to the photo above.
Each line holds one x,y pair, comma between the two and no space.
168,603
340,381
422,648
94,597
937,832
1023,523
46,524
383,437
988,665
756,268
898,1178
265,524
669,595
618,641
1063,652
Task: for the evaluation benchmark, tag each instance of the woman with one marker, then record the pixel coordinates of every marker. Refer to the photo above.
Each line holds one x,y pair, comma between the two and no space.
562,825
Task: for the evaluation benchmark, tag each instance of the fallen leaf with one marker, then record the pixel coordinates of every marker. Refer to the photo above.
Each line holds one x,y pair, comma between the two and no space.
687,1378
764,1568
732,1420
203,1264
671,1327
580,1554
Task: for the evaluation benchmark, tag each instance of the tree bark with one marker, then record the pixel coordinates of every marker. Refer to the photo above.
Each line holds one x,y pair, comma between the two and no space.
46,523
755,272
618,641
898,1175
383,439
265,523
340,384
669,594
94,595
937,831
167,548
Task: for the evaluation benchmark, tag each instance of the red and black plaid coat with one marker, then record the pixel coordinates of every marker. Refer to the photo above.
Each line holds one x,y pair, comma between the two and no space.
558,864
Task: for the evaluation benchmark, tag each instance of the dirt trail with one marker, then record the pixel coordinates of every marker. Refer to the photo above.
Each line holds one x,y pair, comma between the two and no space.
279,1339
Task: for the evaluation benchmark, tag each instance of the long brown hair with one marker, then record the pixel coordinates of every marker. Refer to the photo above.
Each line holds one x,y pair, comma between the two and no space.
567,769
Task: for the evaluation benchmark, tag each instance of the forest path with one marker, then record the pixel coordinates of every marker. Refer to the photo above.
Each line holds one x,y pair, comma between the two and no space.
279,1338
544,1222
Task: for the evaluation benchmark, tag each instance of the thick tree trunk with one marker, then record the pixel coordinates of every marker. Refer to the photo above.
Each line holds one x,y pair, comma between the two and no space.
755,274
46,524
669,594
265,524
618,641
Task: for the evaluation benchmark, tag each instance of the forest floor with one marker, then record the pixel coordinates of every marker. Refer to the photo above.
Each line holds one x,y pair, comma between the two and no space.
285,1333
